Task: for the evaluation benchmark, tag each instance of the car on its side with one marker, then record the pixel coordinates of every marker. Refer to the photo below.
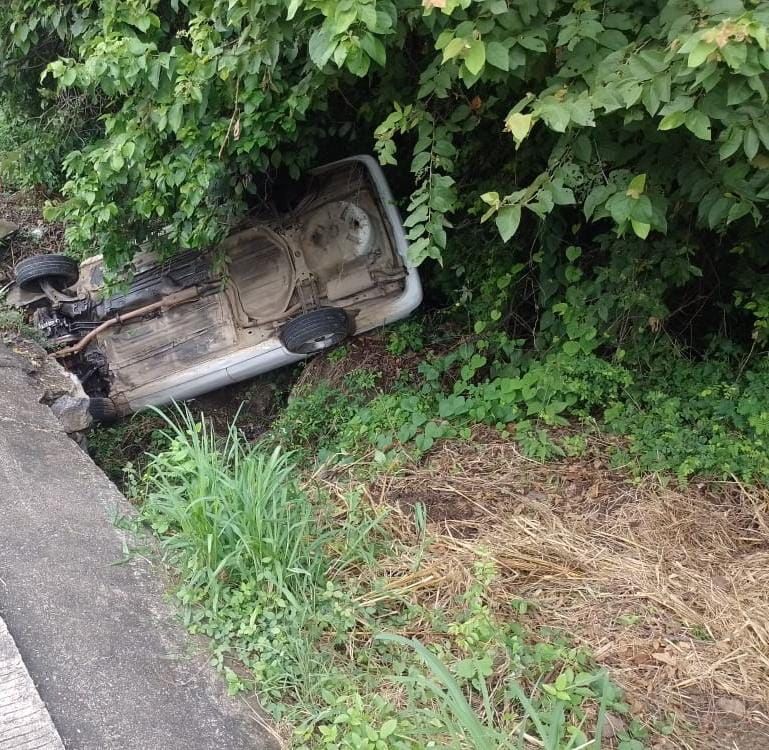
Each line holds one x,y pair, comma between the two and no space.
273,293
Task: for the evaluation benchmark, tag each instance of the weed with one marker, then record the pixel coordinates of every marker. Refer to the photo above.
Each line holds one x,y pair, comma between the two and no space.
239,513
700,633
710,421
337,355
14,322
360,381
407,336
272,574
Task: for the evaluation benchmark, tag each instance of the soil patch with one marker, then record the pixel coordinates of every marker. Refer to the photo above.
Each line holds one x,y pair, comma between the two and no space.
252,404
365,352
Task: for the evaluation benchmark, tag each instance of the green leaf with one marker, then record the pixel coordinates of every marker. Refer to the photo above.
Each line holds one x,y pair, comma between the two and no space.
556,116
700,53
374,48
619,207
637,186
698,123
321,47
679,104
597,196
69,77
466,668
498,55
175,116
453,48
735,54
762,128
507,221
357,62
750,142
641,228
475,56
519,125
672,121
562,196
731,144
650,100
293,7
641,209
719,211
737,211
388,728
531,42
581,113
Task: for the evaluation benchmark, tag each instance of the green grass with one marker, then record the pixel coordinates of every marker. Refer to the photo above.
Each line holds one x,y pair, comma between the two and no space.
281,577
240,512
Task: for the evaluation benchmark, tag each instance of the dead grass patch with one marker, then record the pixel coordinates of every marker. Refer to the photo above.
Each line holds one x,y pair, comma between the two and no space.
668,586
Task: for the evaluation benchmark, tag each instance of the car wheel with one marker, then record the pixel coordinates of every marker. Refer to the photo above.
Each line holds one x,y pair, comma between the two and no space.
60,271
102,410
316,330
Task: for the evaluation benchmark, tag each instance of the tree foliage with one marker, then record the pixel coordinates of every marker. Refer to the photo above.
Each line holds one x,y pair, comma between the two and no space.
638,121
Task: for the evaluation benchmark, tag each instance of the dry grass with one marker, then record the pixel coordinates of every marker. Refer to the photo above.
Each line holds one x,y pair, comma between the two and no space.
667,586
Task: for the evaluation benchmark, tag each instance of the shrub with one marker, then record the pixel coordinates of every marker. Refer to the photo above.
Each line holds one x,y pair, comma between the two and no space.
591,131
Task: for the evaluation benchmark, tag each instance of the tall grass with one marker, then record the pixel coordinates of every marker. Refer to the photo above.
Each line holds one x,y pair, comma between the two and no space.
465,722
267,569
230,512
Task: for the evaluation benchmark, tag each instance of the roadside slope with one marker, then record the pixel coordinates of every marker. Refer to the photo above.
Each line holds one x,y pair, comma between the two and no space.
114,668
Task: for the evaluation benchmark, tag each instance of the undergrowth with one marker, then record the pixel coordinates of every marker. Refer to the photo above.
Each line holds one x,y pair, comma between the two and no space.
710,420
288,580
14,323
121,450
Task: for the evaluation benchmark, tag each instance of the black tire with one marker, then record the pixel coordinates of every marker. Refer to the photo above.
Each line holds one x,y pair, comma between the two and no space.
316,331
60,270
102,410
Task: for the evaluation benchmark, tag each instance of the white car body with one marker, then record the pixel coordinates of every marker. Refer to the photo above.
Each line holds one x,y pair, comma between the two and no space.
342,248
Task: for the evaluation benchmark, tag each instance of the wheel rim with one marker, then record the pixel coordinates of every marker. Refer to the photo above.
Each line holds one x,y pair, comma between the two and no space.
319,343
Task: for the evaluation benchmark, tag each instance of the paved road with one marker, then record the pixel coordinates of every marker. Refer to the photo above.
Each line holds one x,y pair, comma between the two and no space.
110,661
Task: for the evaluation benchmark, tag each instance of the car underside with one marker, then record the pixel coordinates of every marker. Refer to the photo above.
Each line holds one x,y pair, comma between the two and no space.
272,293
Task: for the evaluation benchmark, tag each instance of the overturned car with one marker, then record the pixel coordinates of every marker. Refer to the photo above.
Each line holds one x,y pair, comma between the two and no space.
271,294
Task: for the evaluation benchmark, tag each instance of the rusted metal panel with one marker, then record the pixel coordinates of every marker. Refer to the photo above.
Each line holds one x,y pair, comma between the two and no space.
150,349
261,273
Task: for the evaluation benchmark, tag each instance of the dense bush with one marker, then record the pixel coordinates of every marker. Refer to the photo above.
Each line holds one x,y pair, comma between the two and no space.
627,137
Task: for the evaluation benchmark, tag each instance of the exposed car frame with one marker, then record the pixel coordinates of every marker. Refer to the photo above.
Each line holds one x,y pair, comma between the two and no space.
271,294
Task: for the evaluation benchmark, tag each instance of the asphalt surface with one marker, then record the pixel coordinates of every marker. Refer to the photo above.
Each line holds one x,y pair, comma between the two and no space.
110,660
